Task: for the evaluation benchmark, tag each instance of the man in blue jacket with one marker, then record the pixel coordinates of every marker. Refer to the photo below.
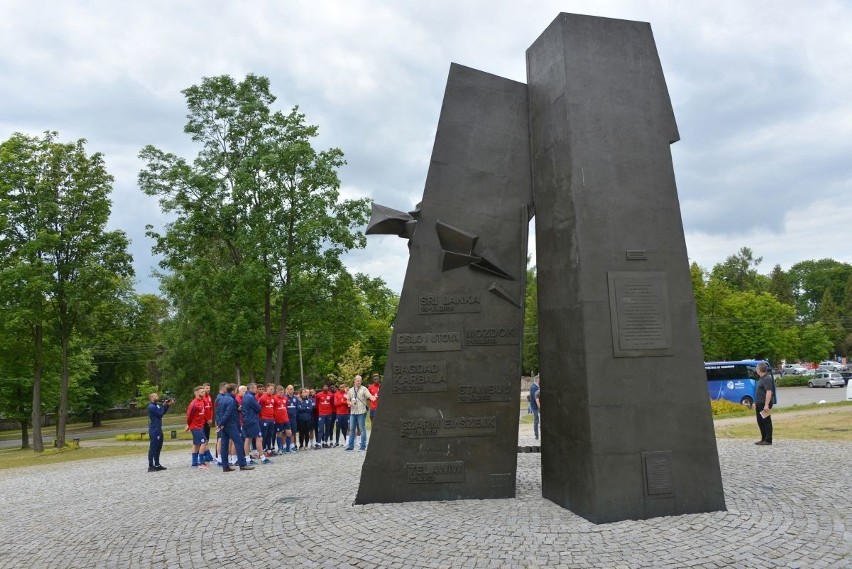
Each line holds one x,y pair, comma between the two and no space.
228,425
251,422
156,410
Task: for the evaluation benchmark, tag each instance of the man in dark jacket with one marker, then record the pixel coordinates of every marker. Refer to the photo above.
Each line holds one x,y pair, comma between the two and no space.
228,425
763,403
251,422
155,430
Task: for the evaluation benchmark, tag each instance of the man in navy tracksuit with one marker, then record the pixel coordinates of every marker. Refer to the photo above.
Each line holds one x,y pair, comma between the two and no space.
251,422
155,430
228,425
292,415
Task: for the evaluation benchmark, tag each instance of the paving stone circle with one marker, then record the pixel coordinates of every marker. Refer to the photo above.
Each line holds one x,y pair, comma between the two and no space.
789,505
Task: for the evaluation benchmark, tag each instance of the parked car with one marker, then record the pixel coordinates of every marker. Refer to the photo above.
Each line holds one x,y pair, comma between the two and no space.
830,365
793,369
846,375
826,379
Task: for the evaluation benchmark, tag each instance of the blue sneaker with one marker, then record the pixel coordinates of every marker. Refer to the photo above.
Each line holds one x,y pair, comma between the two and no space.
348,448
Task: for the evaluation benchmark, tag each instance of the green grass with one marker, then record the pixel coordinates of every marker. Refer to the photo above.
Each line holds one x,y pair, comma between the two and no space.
829,426
17,458
132,424
814,427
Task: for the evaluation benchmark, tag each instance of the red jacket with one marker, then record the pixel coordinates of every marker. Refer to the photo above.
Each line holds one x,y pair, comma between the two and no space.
267,407
208,408
374,390
196,417
280,409
325,403
340,405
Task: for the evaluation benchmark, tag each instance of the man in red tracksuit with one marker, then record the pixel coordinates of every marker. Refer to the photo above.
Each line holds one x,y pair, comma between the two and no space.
341,406
374,403
325,408
267,418
208,420
196,417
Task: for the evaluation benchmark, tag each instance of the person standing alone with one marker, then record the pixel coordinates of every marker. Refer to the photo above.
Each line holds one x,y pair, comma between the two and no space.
764,391
535,403
155,430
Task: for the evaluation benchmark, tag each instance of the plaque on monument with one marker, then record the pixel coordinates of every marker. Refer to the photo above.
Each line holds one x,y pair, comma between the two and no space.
639,312
450,303
418,376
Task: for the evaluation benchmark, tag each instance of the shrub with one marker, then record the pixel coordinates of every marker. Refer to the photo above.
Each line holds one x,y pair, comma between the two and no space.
725,407
132,437
793,380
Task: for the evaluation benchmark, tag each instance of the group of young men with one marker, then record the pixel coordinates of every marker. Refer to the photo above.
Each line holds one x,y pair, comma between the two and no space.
255,422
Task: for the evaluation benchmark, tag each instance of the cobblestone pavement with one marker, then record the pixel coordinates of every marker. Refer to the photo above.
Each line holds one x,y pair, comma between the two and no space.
298,512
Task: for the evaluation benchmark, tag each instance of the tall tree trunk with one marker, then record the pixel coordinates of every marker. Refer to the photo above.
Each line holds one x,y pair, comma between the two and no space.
63,394
38,337
282,333
25,437
238,375
97,416
267,329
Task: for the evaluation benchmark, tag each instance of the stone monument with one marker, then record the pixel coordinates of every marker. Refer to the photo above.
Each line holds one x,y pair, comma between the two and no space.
447,422
626,425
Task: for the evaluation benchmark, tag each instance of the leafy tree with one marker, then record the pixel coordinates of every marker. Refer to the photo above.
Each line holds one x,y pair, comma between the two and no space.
810,280
530,347
829,314
351,364
15,378
815,342
780,286
256,211
381,304
739,272
710,301
125,347
757,325
59,260
846,307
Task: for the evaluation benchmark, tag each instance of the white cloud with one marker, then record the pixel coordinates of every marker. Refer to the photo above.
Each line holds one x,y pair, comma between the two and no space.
760,91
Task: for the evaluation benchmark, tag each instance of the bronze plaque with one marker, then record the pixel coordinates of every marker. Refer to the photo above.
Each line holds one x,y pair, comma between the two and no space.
428,342
658,474
434,472
639,311
419,376
449,303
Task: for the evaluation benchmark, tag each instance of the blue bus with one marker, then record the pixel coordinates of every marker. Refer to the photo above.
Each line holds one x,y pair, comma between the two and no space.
733,381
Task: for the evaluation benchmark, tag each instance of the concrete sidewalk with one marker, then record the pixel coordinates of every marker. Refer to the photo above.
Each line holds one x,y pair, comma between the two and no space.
298,512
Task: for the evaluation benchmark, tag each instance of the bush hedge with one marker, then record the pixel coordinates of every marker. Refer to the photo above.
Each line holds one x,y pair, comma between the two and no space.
725,407
793,380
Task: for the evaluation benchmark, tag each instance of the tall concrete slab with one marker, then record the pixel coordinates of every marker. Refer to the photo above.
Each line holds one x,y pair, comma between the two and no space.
626,427
447,422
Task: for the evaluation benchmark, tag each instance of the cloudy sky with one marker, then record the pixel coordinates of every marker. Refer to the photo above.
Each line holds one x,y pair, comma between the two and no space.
760,89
